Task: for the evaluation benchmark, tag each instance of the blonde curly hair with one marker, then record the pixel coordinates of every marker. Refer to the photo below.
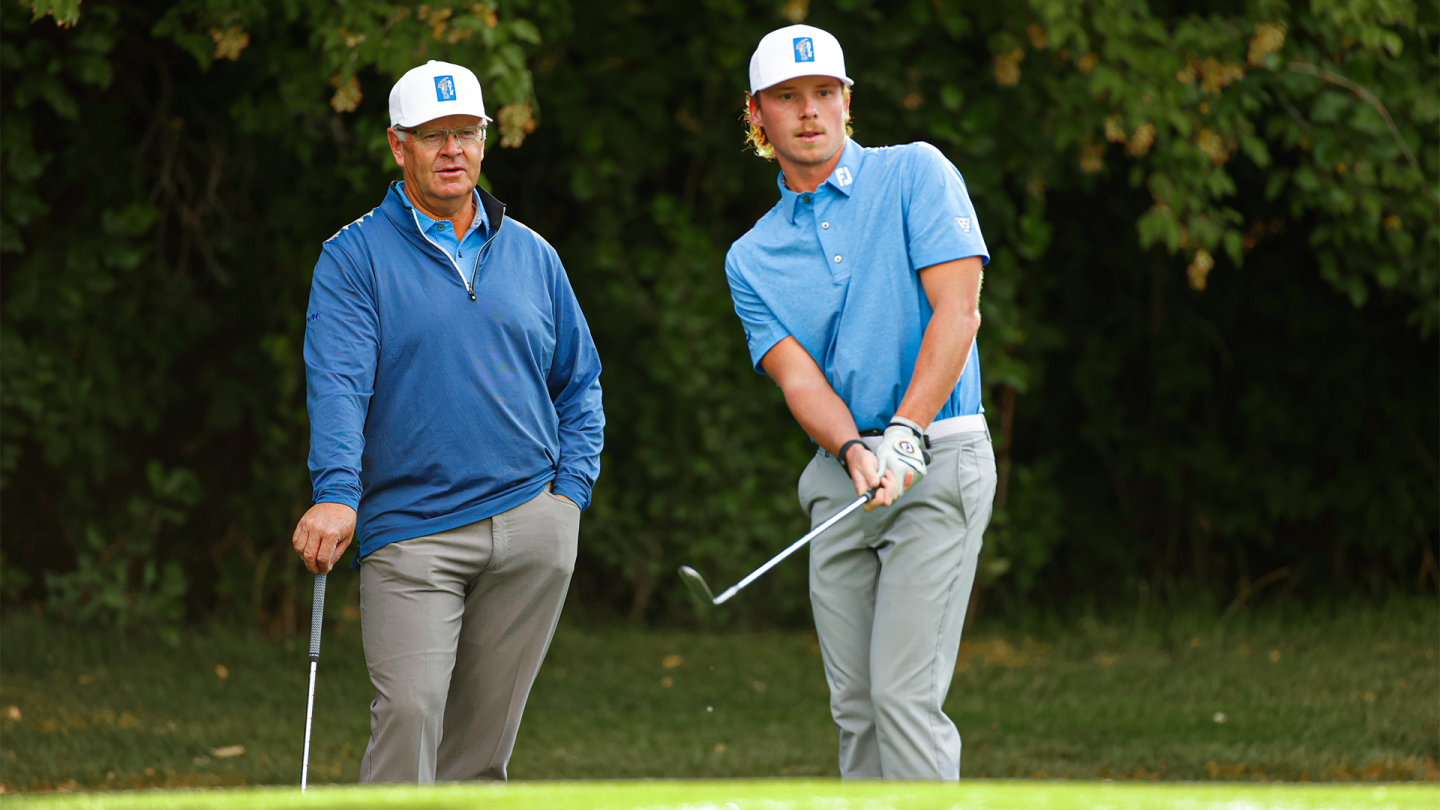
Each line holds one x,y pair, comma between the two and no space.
755,138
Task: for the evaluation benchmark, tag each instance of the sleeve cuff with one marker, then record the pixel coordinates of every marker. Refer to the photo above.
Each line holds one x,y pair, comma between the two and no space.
349,496
923,261
760,345
573,489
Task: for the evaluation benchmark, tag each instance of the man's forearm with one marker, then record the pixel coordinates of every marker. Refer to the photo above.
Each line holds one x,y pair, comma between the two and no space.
823,415
943,352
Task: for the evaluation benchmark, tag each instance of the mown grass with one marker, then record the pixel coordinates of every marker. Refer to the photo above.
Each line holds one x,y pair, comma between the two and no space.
1350,697
773,794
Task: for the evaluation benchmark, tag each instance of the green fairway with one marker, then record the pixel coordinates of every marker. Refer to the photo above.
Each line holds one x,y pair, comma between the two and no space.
1349,698
771,795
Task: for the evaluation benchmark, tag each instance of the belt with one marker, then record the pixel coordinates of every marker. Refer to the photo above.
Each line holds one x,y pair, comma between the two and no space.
973,423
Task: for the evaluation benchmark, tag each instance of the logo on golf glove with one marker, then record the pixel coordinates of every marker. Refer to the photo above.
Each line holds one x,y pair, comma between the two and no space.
901,454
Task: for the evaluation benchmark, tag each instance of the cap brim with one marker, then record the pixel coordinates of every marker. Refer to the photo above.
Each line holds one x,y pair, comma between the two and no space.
846,80
416,121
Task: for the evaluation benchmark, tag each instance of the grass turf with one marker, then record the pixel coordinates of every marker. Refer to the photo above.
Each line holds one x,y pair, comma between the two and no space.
1351,697
769,795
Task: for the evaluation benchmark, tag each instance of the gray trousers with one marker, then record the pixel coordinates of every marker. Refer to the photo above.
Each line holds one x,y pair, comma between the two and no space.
889,589
455,626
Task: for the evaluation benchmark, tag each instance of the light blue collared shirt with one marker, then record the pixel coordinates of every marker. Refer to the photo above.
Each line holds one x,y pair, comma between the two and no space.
441,233
837,269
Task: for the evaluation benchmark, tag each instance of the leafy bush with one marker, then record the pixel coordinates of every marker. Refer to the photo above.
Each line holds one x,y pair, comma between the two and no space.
1208,323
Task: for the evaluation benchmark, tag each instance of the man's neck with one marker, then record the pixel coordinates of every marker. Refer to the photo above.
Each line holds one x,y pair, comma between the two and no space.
801,178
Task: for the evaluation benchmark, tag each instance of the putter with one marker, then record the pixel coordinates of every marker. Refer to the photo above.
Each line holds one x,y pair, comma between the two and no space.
701,591
317,616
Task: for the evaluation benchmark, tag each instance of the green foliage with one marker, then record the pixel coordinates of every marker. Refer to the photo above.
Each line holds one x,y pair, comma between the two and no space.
119,580
171,169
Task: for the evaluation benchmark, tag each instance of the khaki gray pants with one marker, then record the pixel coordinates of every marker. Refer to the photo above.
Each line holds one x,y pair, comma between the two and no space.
889,589
455,626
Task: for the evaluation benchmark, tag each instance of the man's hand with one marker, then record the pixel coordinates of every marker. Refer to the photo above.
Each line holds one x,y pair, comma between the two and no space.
866,475
323,534
900,453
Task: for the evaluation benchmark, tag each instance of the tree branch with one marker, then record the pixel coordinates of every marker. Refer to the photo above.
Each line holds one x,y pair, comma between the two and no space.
1368,97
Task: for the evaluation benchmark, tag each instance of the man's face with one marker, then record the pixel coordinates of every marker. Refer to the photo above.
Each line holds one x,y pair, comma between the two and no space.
804,118
444,171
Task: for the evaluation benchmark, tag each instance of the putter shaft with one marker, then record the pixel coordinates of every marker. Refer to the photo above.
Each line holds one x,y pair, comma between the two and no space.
317,622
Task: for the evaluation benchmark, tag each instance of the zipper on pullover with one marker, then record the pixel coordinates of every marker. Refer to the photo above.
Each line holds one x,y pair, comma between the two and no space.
479,254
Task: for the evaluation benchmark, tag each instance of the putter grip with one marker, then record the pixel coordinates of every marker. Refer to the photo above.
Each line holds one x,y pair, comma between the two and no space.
317,617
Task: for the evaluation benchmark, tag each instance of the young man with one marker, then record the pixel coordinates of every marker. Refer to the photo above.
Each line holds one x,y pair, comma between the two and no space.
859,295
456,427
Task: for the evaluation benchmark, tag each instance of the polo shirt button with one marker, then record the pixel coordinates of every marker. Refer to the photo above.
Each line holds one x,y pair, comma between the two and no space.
806,198
825,225
837,259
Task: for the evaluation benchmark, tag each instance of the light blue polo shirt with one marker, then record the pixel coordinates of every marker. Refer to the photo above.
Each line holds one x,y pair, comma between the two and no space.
443,234
837,268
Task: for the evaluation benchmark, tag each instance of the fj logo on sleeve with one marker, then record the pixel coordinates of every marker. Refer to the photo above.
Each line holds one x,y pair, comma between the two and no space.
804,49
444,88
842,176
964,223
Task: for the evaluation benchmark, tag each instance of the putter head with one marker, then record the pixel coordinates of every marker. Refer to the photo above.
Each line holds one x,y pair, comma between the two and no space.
697,586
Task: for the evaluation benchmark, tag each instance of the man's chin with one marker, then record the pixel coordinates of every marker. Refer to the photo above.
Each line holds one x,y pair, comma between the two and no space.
813,154
457,187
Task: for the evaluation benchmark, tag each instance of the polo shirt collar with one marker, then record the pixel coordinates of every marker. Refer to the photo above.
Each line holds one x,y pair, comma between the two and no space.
427,224
842,179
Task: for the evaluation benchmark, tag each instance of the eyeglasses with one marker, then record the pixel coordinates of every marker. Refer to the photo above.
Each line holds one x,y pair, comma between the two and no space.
435,138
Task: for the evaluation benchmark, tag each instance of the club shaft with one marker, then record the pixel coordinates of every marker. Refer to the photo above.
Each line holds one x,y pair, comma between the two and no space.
317,623
758,572
309,715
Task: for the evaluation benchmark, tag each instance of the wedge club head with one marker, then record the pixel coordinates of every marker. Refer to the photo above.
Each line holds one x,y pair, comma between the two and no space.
697,585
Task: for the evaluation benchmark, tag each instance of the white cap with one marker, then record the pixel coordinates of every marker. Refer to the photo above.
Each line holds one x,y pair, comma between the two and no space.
797,50
435,90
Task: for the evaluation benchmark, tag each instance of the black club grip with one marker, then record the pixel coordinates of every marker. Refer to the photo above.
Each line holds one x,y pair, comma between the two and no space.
317,617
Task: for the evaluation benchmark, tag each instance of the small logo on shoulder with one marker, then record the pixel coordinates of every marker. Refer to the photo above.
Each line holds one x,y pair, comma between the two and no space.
842,176
964,223
312,317
804,49
444,88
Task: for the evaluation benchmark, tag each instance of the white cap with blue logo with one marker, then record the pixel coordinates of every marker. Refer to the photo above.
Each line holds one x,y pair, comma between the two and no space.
796,50
435,90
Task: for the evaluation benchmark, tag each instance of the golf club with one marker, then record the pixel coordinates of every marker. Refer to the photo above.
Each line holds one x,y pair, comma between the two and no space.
317,616
702,592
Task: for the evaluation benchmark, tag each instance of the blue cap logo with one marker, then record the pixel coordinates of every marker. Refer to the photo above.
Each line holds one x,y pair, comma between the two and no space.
804,49
444,88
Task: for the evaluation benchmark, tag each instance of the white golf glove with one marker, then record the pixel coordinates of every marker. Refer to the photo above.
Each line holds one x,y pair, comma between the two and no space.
902,450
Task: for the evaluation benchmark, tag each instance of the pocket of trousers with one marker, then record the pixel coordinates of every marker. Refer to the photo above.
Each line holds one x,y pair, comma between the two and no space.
803,490
976,480
562,500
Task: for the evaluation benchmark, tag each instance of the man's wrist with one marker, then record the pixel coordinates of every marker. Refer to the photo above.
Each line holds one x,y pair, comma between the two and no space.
844,455
918,428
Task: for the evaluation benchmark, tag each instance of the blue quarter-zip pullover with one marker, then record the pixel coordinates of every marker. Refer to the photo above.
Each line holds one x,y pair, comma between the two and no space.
440,398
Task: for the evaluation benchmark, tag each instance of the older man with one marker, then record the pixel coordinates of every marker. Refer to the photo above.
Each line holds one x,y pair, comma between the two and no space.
456,428
858,292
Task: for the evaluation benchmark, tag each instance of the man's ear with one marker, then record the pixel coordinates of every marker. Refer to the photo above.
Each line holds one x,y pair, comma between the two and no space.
396,148
756,117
